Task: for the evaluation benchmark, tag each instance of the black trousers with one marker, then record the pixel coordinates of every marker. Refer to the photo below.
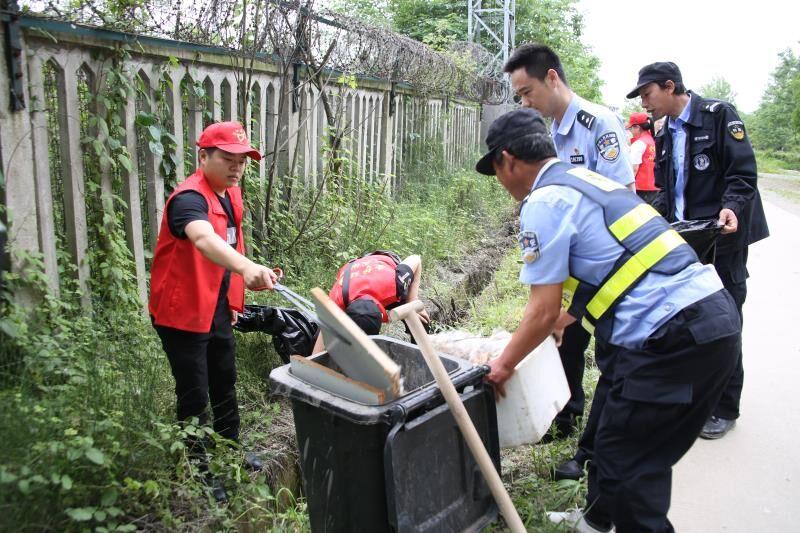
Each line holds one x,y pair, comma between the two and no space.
573,345
732,270
604,382
657,402
204,367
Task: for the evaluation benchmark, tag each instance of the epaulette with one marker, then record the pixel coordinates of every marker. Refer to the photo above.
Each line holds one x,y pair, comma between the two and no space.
586,119
711,107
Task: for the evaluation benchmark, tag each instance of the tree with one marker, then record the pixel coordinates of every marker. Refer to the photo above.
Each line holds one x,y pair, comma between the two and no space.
634,105
441,23
720,89
774,125
559,25
437,23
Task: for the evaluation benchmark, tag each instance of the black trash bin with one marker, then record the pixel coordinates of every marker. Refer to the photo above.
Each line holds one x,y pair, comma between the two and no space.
402,466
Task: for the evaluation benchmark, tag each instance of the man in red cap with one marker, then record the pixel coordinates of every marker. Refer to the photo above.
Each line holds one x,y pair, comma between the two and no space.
197,282
643,155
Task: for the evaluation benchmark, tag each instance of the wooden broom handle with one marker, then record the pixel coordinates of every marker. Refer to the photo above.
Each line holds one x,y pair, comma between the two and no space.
408,312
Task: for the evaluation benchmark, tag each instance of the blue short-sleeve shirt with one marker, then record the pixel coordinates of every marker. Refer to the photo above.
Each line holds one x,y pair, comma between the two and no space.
562,233
591,136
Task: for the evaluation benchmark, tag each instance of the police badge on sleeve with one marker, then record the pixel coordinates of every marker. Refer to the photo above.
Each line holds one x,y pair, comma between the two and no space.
529,243
608,146
736,129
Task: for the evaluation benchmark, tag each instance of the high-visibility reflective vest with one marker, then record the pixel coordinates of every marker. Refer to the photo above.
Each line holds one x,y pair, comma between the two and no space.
648,244
184,285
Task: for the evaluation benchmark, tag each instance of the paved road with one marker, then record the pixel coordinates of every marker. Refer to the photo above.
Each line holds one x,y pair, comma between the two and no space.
749,481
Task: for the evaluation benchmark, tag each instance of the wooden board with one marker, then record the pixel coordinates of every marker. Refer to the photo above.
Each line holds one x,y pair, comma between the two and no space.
335,383
356,354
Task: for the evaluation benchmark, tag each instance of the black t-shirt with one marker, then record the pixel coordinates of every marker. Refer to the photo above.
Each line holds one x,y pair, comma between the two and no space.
187,207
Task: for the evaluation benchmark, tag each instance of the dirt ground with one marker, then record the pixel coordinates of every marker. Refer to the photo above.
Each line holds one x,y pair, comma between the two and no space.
782,190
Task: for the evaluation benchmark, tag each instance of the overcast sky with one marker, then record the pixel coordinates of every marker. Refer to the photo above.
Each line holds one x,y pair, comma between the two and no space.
736,39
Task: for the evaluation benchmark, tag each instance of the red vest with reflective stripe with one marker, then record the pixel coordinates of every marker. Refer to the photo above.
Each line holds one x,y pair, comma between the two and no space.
645,179
184,285
371,277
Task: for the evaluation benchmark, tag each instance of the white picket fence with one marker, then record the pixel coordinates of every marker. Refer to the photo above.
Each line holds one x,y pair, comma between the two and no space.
388,126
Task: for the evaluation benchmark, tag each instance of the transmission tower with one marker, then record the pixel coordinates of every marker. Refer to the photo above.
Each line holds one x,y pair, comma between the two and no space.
492,24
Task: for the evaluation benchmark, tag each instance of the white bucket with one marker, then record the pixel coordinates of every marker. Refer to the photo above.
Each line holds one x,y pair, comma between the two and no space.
535,393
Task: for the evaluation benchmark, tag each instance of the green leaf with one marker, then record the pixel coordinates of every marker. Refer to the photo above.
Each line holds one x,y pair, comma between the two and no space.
155,132
95,456
102,126
8,327
80,514
6,476
109,497
125,161
66,482
156,148
145,119
24,486
100,516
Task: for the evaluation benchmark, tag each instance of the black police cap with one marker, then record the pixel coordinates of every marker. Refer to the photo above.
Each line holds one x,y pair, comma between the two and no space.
506,128
654,72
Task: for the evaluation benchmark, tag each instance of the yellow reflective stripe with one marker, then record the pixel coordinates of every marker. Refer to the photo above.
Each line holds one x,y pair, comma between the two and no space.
633,270
568,289
587,325
632,220
593,178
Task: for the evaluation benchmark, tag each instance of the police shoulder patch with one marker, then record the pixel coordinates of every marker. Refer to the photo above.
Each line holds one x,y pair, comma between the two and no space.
608,146
529,243
736,129
586,119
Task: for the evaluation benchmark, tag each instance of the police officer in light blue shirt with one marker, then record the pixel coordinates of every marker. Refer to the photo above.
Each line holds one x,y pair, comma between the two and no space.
586,135
594,253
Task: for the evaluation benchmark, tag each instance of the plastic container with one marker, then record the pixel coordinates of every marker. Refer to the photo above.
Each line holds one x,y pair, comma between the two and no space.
402,466
536,392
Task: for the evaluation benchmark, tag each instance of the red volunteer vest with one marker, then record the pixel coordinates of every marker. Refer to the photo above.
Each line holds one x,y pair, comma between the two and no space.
645,179
371,277
184,285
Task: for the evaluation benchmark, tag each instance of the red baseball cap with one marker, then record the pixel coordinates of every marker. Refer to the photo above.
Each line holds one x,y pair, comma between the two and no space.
637,118
228,136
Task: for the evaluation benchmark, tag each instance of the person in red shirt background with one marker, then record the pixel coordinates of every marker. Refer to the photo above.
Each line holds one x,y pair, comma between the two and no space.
643,155
367,287
197,283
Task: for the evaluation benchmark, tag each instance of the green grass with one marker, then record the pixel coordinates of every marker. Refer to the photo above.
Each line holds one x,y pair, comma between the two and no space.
526,469
776,162
89,441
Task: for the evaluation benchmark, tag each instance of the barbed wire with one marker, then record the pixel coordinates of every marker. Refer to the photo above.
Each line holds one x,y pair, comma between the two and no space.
296,31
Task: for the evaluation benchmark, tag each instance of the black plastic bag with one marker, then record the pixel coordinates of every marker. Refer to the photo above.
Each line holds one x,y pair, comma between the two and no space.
701,236
293,333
